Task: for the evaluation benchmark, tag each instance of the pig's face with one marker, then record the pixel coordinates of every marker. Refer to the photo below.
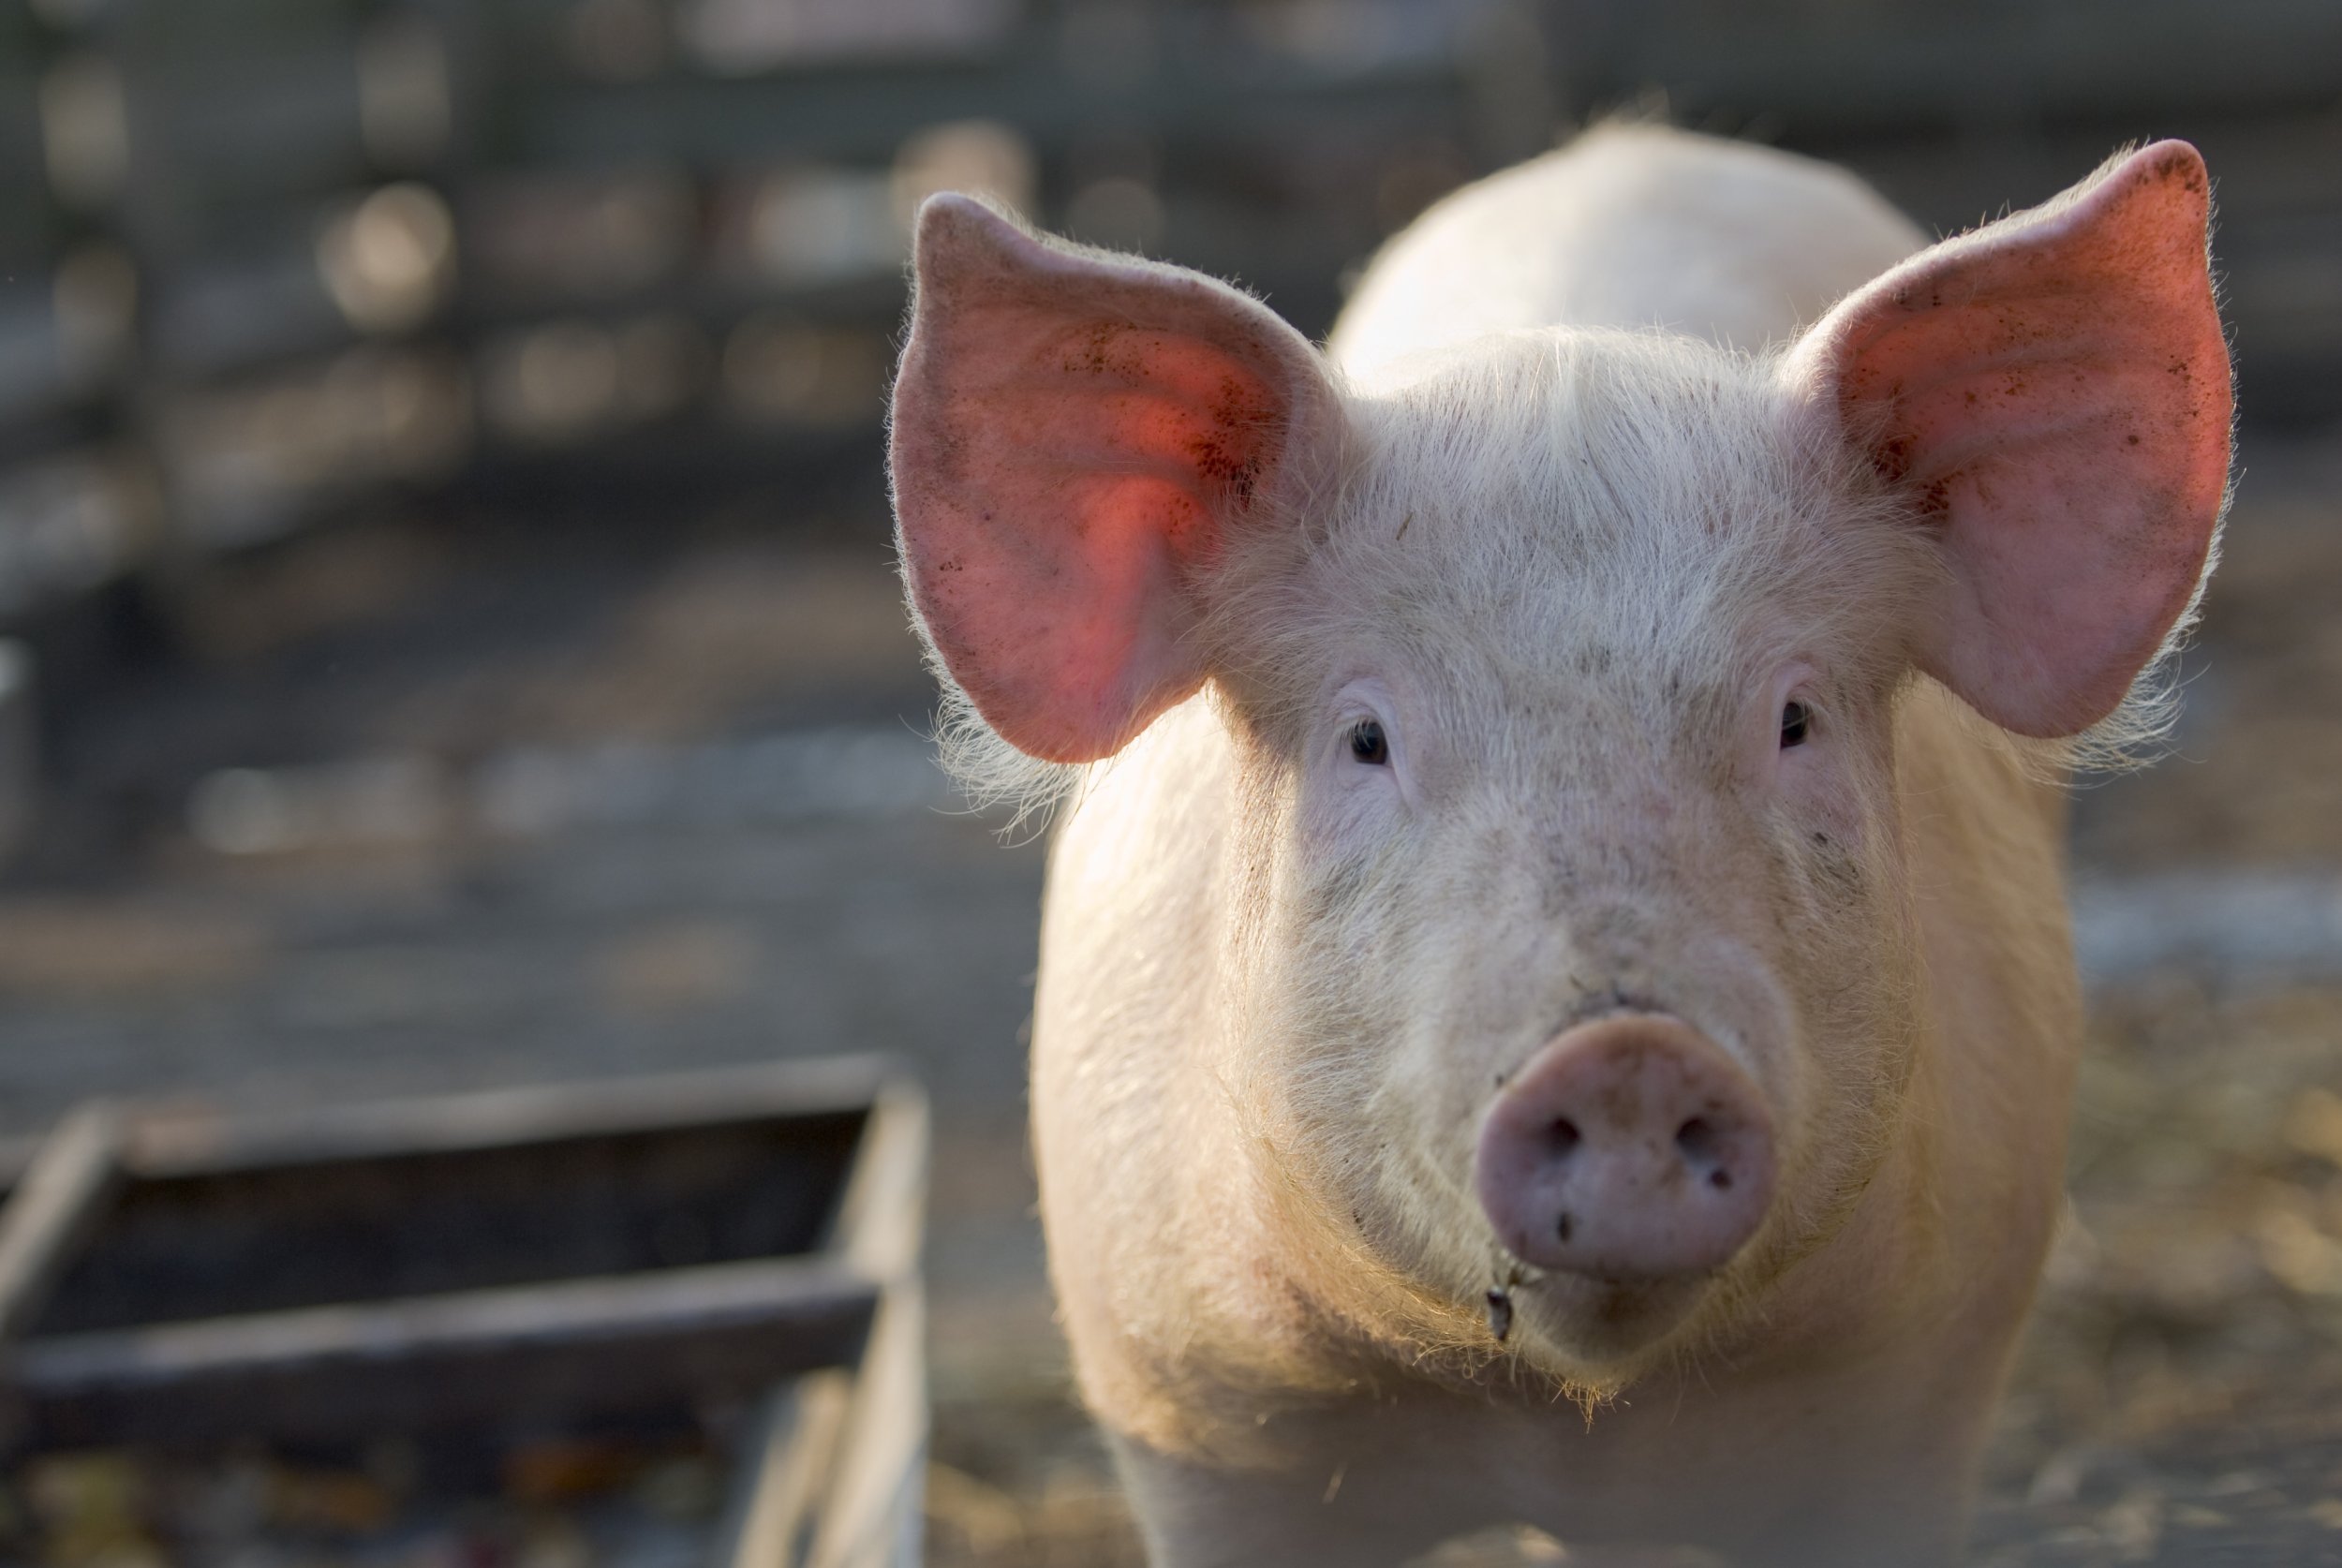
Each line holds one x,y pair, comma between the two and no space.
1572,939
1574,702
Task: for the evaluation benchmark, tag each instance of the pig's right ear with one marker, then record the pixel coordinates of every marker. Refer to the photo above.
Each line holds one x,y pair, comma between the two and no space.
1075,438
2052,393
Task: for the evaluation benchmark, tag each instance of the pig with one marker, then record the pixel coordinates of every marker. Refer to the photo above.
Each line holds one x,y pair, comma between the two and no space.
1556,1001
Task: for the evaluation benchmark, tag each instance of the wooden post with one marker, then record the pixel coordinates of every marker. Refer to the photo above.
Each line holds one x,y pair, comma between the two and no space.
874,1514
62,1194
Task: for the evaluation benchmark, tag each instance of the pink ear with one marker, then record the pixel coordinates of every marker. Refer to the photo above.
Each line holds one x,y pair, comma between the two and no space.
2054,390
1074,436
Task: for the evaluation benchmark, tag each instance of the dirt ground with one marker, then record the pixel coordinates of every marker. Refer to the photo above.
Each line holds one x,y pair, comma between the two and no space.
436,804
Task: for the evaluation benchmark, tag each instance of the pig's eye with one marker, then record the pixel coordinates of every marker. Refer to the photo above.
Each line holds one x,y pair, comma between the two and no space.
1797,722
1368,745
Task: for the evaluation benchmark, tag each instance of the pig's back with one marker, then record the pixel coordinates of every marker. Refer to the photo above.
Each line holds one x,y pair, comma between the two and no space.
1632,227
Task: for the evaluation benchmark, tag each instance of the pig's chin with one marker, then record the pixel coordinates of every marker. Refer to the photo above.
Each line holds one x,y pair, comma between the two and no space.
1601,1330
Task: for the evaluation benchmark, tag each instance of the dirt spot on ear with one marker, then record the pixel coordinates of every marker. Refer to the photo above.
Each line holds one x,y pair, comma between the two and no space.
1092,352
1230,455
1893,457
1222,464
2177,165
1936,500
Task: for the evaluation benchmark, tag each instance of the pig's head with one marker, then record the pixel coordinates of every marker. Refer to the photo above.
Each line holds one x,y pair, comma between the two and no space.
1570,933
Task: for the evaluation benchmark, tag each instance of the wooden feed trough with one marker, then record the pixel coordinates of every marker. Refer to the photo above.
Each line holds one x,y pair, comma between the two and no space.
729,1253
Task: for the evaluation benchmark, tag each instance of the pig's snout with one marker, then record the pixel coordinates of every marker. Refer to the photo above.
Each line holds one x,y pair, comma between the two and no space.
1627,1148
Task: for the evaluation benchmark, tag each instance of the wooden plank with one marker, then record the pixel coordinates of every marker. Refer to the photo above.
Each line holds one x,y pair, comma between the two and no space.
61,1196
186,1143
873,1515
541,1352
882,1214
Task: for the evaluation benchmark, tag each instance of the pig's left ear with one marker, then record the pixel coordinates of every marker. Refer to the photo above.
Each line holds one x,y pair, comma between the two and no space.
1076,438
2053,392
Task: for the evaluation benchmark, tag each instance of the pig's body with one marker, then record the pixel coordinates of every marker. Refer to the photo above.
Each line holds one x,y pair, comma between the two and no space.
1271,1408
1556,1002
1630,229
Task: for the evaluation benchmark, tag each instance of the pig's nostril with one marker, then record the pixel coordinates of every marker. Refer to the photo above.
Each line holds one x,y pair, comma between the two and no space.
1563,1135
1700,1145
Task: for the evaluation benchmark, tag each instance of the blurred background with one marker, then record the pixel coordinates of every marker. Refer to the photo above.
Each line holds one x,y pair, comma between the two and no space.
448,638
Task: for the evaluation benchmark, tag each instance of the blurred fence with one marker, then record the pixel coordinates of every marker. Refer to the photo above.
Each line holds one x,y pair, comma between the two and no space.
266,256
263,260
1961,112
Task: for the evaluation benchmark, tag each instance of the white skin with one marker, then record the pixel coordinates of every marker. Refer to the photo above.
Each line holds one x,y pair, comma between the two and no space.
1440,699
